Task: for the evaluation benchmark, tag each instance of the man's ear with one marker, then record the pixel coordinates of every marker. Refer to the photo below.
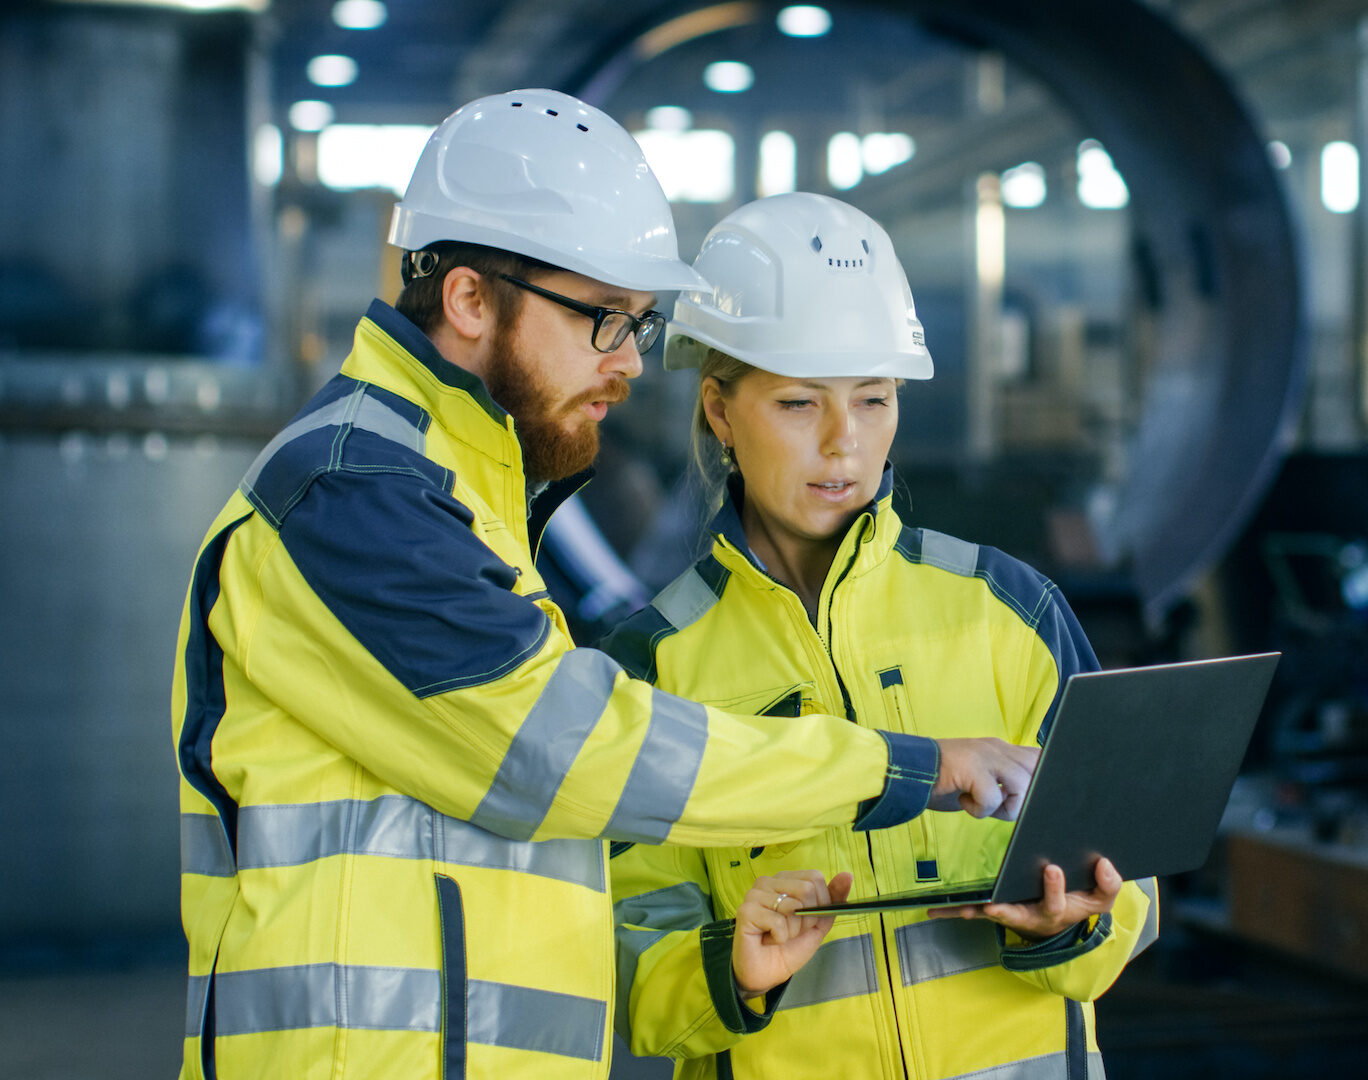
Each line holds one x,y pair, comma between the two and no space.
464,303
715,410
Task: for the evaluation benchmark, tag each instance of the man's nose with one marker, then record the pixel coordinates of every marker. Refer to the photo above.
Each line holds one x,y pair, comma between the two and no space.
625,360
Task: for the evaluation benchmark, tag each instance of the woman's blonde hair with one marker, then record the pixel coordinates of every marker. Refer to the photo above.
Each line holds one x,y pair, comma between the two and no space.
713,467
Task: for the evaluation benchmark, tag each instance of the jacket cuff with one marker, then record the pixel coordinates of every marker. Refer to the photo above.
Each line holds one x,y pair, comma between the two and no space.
735,1014
913,765
1068,944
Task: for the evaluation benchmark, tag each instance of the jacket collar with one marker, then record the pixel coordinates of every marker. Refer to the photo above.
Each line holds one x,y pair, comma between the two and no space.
391,352
726,523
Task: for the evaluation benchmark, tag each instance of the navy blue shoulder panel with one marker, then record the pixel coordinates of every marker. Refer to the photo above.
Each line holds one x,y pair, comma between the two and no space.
1032,596
634,641
370,523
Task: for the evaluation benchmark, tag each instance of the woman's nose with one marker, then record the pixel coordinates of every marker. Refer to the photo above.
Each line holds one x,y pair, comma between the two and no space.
839,437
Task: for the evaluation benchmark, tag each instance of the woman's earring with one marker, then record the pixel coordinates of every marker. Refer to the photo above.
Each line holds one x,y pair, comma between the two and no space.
726,456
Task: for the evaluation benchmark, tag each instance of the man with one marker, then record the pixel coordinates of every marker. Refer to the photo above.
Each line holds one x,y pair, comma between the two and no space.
397,773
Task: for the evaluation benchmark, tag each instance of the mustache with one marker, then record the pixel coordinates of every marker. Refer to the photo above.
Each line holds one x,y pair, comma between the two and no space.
613,392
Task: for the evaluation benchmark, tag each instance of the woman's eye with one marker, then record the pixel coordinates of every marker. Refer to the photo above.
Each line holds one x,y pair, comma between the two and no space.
876,401
795,403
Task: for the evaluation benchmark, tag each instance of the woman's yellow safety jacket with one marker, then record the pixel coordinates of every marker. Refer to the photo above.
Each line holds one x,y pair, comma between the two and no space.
397,773
915,632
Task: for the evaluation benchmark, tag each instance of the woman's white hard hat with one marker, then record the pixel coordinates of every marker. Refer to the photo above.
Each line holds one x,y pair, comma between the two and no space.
542,174
802,285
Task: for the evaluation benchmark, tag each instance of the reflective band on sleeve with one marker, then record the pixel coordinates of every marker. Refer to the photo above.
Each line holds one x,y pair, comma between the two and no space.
949,553
1044,1067
1149,933
664,772
195,996
204,846
546,744
392,826
358,409
521,1018
935,948
327,995
685,600
677,907
840,969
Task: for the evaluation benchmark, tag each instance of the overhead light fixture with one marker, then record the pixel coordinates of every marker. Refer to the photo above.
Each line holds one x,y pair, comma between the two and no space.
1023,187
778,171
1100,186
310,115
359,14
804,20
669,118
1340,177
844,168
1279,154
728,76
331,70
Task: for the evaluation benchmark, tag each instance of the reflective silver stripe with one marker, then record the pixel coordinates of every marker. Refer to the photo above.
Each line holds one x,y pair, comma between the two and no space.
521,1018
357,408
1149,933
327,995
840,969
949,553
546,744
196,993
685,600
935,948
678,907
663,775
1045,1067
204,846
392,826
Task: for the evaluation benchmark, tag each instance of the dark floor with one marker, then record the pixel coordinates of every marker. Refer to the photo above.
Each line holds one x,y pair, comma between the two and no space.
1196,1005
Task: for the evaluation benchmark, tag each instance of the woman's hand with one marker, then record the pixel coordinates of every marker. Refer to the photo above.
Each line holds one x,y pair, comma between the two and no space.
1054,912
771,943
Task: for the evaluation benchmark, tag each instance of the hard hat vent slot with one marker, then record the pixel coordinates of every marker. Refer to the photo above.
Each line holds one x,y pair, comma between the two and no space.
816,243
865,244
516,104
845,264
581,127
552,112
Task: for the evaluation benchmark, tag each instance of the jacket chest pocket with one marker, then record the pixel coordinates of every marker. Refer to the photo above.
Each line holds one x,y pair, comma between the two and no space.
899,717
732,871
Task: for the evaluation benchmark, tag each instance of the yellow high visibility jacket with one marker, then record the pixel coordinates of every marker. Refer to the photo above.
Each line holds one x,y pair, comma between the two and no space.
397,774
916,632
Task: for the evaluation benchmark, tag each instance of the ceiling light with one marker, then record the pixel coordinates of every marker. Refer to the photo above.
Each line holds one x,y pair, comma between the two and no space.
804,20
332,70
310,115
1340,177
669,118
728,76
359,14
1279,154
1024,186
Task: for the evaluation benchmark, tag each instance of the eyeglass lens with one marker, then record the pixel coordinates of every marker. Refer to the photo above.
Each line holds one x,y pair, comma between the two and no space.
616,325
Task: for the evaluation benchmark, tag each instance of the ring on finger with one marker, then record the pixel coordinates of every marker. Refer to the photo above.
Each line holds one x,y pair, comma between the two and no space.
779,900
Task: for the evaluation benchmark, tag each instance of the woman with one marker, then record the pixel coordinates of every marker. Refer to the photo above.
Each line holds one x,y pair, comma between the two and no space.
814,597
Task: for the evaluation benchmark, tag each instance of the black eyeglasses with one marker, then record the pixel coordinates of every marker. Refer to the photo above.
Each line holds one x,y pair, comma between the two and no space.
611,326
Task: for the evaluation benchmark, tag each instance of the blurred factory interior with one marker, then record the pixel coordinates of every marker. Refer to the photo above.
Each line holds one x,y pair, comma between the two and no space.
1136,240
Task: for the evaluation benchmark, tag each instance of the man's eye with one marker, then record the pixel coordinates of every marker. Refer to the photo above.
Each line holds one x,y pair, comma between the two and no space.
876,401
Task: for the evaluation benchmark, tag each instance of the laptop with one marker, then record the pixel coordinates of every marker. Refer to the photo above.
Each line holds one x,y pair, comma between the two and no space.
1137,766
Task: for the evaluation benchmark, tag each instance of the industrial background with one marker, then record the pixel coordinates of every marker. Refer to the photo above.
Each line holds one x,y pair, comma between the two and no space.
1135,236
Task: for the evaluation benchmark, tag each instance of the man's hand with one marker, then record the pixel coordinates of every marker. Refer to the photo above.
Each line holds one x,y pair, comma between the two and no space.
983,777
771,943
1054,912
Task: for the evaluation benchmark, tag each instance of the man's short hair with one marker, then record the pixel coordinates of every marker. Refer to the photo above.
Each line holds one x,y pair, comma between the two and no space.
420,300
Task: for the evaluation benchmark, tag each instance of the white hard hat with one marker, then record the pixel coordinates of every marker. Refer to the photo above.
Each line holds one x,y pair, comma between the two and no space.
802,285
542,174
